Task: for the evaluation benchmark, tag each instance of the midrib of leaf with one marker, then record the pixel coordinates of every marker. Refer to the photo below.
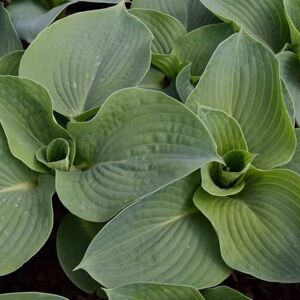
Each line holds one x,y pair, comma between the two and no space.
19,187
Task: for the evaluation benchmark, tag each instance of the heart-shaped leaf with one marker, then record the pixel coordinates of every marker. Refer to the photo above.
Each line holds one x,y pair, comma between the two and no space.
223,293
166,29
139,141
26,214
198,46
191,13
259,229
28,122
9,63
114,55
138,291
9,38
162,239
247,86
73,237
264,19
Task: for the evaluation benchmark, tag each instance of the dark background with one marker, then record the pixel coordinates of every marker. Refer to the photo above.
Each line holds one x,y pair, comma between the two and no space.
44,274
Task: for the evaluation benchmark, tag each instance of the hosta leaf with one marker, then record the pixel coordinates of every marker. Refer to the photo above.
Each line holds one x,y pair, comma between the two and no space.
223,293
166,29
242,79
154,79
184,86
289,102
169,64
198,46
9,38
225,130
162,238
73,237
30,17
259,229
290,72
294,164
114,55
9,63
27,119
139,141
30,296
151,291
292,9
191,13
264,19
25,210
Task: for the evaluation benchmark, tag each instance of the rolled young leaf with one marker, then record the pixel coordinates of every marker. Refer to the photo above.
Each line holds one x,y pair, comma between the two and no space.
162,238
9,63
151,291
9,38
26,214
263,19
259,229
73,237
165,29
223,293
30,296
139,141
191,13
114,55
28,122
242,79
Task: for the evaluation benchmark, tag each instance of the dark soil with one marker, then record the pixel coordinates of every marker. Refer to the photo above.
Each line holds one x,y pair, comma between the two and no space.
44,274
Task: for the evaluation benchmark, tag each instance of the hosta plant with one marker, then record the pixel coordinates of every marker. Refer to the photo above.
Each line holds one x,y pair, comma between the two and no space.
172,121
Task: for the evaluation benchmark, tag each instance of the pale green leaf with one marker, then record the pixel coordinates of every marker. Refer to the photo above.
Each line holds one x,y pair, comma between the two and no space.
198,46
259,229
9,63
26,214
184,86
162,238
113,55
165,29
294,164
140,141
290,72
9,38
73,237
155,79
263,19
27,119
167,63
223,293
151,291
292,10
242,79
30,296
289,102
191,13
30,17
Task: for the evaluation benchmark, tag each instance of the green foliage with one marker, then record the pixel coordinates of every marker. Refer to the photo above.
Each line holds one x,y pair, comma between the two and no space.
171,120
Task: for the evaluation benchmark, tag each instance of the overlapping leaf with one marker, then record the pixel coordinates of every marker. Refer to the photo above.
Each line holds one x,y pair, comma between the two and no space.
9,38
264,19
247,86
150,291
258,229
294,164
162,238
9,63
30,296
25,210
139,141
28,122
223,293
73,238
113,55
